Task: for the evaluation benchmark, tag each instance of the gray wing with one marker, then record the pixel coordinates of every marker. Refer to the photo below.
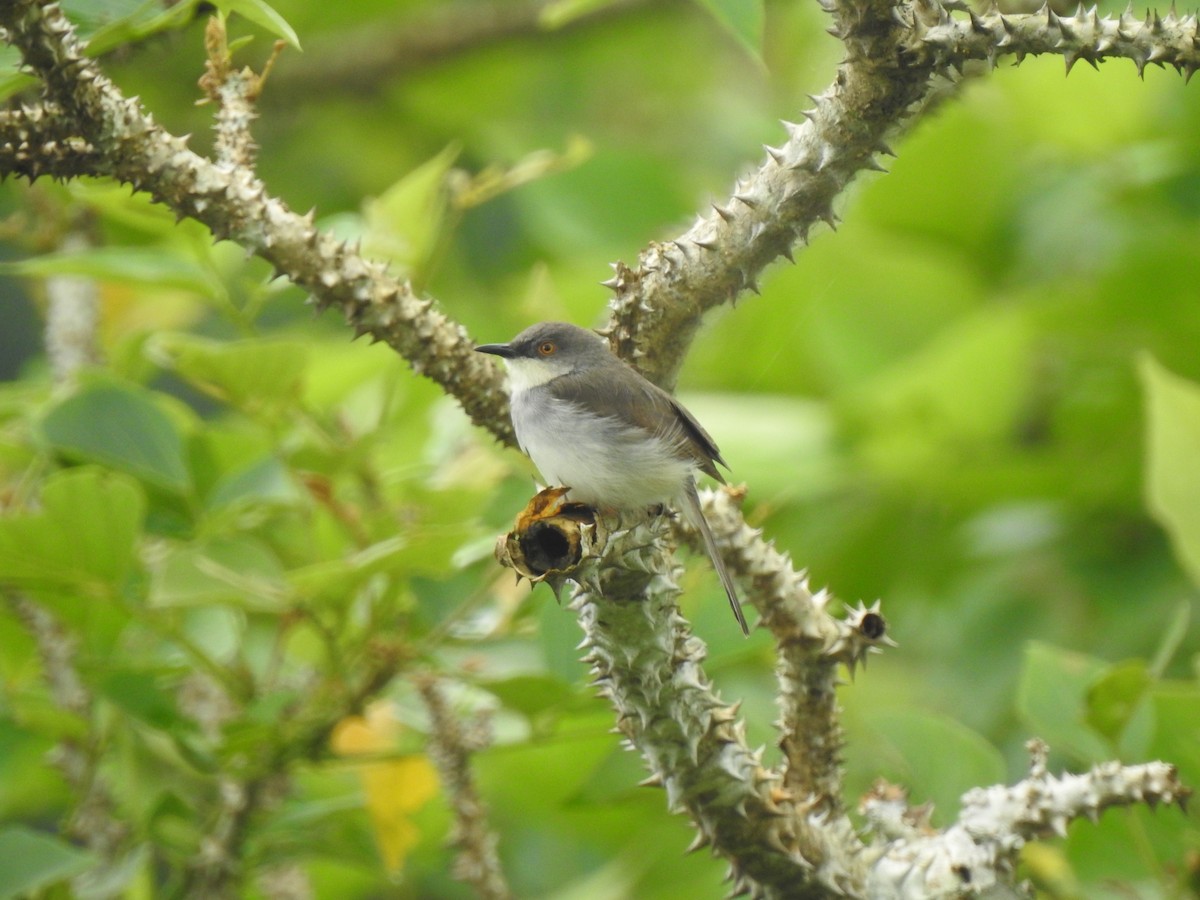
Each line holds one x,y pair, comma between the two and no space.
625,395
700,439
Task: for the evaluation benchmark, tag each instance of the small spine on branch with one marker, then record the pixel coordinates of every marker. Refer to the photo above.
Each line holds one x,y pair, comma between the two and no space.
979,851
1170,40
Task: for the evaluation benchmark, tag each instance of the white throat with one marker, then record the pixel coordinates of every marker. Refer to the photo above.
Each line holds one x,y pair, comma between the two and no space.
524,373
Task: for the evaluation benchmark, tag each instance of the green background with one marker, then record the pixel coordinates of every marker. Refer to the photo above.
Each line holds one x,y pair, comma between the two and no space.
977,401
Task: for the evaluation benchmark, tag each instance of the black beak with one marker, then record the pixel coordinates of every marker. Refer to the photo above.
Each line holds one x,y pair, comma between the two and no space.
503,350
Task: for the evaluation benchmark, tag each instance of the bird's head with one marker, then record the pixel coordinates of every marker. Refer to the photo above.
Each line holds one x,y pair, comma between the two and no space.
548,350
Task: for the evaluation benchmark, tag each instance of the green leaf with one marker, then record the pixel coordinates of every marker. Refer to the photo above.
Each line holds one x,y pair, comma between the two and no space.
266,481
1173,637
559,13
784,446
925,413
612,881
215,631
119,426
1172,453
339,372
1177,728
27,784
139,694
558,634
247,374
224,448
493,181
263,16
1117,855
85,532
40,715
938,758
114,203
31,861
531,695
343,573
153,266
1052,699
242,571
13,82
741,18
144,20
12,79
1114,697
405,223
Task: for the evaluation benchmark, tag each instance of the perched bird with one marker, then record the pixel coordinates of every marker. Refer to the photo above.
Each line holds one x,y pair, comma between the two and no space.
591,423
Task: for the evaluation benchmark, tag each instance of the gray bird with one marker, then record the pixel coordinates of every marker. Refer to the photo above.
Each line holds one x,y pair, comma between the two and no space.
590,422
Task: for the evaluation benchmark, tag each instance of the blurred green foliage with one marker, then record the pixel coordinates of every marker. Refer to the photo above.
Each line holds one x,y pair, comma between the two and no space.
978,401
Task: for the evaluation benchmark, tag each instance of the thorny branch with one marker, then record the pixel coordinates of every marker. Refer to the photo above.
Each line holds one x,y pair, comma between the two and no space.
976,854
811,646
897,52
784,830
451,744
92,820
779,834
236,93
84,125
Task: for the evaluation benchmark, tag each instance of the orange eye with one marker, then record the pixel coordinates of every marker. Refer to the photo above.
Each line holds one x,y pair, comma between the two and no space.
546,348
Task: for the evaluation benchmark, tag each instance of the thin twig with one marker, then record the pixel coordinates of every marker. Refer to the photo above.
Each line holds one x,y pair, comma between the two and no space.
450,747
362,61
72,317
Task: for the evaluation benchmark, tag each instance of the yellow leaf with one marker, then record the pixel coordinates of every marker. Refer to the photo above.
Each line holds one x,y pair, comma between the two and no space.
395,788
376,732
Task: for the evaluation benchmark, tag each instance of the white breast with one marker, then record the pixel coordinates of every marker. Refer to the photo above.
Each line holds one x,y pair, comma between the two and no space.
603,461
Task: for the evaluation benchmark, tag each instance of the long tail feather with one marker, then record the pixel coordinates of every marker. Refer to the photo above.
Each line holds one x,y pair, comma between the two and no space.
696,517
